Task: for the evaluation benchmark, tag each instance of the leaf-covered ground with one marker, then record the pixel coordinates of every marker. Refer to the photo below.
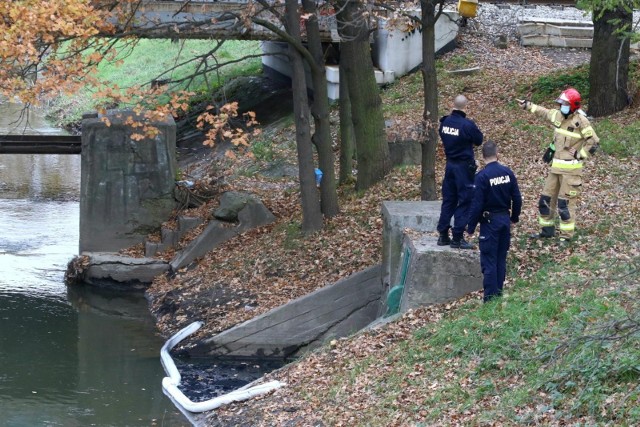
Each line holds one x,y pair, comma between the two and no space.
364,380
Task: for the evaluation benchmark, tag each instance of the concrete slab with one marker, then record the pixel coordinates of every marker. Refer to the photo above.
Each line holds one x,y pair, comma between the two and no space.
572,32
396,216
216,233
555,30
253,214
555,21
552,32
111,269
556,41
334,311
465,71
438,274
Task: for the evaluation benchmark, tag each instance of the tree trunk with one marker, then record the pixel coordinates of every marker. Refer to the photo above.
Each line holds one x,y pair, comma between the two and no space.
372,150
311,214
320,112
430,112
609,67
347,138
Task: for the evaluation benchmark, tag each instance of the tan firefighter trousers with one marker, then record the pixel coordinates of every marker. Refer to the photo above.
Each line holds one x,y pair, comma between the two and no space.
564,191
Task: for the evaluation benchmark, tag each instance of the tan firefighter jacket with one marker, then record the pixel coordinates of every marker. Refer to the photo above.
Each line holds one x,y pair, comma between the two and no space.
575,131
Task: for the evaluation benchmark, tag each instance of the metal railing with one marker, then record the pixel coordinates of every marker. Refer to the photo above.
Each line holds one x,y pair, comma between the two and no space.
40,144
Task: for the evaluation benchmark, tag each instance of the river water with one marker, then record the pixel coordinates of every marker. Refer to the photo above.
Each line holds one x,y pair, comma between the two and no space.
68,356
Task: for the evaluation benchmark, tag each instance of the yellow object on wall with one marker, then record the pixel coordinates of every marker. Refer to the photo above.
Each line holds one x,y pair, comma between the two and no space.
467,8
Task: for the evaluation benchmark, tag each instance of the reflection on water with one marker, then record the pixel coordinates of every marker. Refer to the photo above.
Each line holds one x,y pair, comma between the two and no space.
68,357
32,176
17,119
37,241
92,362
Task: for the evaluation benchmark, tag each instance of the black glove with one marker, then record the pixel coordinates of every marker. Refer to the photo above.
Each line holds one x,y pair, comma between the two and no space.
547,157
593,149
473,167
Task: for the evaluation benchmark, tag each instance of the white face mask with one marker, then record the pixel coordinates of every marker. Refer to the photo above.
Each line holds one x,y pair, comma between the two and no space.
564,109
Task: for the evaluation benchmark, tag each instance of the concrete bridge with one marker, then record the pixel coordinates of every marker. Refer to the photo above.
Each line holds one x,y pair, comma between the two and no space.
40,144
213,19
394,52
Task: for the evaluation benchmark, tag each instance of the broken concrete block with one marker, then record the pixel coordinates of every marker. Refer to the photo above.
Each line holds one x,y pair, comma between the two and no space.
437,274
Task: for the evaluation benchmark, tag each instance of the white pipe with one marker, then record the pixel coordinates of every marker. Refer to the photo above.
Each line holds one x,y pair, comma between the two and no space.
171,382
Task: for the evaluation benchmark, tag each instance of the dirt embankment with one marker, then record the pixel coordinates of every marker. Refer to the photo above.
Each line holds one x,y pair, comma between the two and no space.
270,266
262,268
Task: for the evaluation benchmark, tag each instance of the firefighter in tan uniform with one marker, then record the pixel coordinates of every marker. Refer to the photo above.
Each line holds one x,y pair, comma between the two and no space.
574,140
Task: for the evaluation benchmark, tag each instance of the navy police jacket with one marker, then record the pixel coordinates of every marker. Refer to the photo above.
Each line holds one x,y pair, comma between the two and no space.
459,135
496,192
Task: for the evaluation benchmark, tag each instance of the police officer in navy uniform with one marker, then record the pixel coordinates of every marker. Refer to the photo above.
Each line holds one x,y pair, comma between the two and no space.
496,205
459,136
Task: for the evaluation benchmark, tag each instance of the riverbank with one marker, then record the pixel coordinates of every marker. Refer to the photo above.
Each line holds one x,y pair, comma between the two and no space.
452,359
256,280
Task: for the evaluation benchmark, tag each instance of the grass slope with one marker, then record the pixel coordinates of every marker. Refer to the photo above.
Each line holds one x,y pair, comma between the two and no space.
160,59
561,347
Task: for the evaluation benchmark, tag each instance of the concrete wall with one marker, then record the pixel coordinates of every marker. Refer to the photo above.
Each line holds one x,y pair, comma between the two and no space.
438,274
394,53
126,185
432,274
334,311
401,51
396,216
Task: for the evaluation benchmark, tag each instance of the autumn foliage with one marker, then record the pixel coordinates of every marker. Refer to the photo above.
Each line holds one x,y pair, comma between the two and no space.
49,48
31,45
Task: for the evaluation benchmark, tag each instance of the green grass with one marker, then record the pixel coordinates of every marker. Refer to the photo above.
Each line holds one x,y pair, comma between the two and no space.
460,61
264,149
540,348
620,141
149,60
399,99
549,86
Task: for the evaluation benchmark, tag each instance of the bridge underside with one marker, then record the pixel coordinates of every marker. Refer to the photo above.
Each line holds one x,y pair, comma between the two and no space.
210,20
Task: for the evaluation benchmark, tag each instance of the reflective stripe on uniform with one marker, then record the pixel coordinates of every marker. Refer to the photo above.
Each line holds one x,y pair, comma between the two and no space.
565,132
554,119
567,226
587,132
546,222
583,153
566,164
533,108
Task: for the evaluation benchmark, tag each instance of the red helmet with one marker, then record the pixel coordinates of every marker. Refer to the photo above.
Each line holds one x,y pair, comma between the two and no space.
571,96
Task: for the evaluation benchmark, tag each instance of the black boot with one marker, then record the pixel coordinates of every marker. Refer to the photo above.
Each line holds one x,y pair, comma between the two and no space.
444,239
460,243
545,233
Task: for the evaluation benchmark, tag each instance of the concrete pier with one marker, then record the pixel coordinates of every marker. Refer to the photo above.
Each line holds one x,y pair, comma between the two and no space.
126,185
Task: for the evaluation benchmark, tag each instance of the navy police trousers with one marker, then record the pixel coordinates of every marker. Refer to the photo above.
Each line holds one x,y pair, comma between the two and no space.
457,190
495,238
